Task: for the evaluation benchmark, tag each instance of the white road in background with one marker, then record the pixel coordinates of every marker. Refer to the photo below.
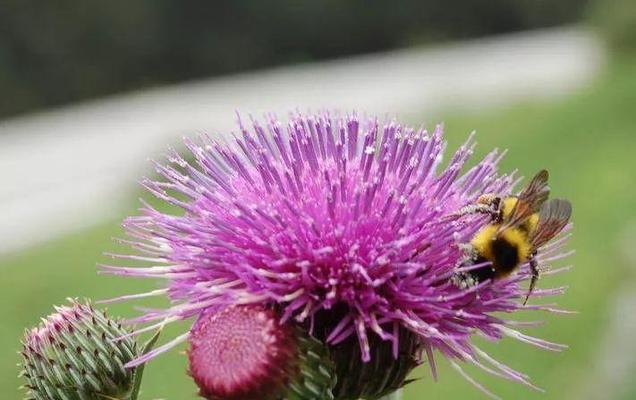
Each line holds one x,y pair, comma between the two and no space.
69,168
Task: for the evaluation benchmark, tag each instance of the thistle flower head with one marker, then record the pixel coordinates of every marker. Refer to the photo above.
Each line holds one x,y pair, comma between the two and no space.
71,355
244,352
332,212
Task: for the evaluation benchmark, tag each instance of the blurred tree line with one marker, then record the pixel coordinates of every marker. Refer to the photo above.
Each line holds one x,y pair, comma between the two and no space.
616,22
55,52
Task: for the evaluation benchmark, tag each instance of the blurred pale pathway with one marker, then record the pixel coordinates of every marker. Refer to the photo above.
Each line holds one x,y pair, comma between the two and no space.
69,168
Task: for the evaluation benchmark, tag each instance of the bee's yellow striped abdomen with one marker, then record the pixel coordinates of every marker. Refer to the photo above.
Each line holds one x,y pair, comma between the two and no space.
519,239
482,241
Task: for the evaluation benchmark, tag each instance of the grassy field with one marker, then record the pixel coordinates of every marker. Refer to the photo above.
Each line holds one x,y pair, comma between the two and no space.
587,141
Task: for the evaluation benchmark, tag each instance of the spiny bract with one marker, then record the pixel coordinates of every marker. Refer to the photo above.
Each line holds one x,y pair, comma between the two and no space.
73,355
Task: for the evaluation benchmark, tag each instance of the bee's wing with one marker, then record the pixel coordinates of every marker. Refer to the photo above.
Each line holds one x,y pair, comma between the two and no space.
554,216
529,201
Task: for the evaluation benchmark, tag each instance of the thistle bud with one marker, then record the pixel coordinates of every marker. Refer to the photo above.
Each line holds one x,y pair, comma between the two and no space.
387,370
384,374
71,355
244,352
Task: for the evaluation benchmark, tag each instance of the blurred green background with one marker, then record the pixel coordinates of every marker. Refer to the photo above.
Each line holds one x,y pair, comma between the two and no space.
587,140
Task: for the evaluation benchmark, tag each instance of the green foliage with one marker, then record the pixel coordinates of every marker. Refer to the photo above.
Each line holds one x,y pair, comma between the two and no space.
139,371
616,21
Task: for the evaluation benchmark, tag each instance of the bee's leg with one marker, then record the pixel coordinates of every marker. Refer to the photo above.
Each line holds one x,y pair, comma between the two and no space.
534,270
467,248
485,205
461,279
468,253
497,214
474,209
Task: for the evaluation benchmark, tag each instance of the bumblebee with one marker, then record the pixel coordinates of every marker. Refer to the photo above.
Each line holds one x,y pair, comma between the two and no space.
520,225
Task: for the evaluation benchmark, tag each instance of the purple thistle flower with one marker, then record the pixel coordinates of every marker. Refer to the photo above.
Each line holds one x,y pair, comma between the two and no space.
332,211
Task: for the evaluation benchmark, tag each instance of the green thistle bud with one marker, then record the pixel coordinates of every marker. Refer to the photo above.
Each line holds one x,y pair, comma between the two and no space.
72,355
316,375
382,375
244,352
